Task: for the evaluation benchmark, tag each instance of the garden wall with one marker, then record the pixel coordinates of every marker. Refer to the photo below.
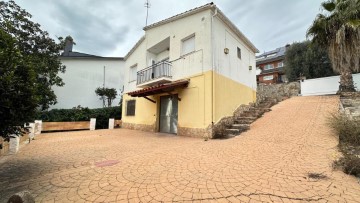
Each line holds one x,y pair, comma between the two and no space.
277,92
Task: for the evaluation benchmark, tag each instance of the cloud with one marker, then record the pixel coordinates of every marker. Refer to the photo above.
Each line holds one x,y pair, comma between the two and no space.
112,27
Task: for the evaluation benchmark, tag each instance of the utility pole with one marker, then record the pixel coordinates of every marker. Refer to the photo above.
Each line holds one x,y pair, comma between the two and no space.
104,78
147,5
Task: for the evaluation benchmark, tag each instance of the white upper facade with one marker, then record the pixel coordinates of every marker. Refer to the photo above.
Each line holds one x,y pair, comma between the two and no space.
83,75
188,44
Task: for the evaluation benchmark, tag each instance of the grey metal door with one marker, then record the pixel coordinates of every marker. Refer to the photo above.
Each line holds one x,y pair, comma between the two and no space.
169,114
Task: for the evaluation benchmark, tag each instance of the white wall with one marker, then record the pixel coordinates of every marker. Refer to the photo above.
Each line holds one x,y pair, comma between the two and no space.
201,60
229,65
188,65
83,76
325,86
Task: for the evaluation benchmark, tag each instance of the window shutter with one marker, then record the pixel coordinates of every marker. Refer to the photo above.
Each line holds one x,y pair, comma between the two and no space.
188,45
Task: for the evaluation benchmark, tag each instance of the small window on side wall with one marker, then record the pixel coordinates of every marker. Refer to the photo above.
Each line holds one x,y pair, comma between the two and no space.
133,73
188,45
130,107
239,53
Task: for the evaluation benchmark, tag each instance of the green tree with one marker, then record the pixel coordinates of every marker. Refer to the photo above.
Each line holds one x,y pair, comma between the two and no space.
29,66
106,94
306,59
338,30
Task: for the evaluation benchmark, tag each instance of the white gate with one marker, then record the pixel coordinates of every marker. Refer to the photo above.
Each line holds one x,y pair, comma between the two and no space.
325,86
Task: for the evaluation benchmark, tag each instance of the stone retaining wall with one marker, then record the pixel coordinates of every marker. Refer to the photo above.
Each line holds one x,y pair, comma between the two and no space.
350,104
277,92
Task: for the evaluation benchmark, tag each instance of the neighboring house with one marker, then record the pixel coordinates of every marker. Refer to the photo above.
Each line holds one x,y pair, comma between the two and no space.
84,73
270,66
188,72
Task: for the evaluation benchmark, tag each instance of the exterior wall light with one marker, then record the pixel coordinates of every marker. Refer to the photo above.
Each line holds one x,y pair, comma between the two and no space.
226,51
250,67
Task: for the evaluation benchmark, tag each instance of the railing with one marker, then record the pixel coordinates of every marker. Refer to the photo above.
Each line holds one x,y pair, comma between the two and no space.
278,69
159,70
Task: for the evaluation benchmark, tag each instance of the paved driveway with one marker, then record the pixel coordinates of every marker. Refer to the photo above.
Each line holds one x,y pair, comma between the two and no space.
271,162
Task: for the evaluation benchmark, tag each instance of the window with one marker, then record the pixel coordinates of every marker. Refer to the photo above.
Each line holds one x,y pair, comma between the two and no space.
133,73
280,64
188,45
268,67
239,53
130,107
268,77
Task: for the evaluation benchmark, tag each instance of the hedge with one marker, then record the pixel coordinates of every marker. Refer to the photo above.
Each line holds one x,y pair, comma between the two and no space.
102,115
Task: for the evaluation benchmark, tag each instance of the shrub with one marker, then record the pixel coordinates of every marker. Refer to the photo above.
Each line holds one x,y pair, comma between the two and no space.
79,113
349,143
350,162
348,130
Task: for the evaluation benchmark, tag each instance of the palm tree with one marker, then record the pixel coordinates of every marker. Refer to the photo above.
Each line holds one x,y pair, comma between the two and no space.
339,31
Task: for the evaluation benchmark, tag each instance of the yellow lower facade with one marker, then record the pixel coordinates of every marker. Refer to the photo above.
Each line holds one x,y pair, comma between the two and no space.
208,98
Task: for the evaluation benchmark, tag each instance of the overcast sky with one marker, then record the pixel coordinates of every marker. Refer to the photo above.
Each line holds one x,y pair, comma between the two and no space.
112,27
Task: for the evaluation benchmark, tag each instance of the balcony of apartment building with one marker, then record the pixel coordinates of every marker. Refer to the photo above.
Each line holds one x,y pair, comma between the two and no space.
271,68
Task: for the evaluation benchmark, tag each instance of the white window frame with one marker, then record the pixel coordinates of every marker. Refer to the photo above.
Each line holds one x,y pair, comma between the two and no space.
268,77
132,74
183,41
280,64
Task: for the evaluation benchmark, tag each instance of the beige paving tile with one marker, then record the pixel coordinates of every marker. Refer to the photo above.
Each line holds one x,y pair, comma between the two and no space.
268,163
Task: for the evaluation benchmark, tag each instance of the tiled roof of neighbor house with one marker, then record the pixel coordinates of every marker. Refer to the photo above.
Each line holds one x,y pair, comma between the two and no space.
79,55
194,11
270,56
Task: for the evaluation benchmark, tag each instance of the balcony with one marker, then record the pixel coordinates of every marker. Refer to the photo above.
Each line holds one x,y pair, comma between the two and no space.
274,70
155,74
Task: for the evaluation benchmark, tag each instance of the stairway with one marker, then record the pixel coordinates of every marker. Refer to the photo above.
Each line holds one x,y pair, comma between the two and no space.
242,122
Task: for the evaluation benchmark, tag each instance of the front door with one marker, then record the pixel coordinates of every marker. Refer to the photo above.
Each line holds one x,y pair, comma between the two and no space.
169,114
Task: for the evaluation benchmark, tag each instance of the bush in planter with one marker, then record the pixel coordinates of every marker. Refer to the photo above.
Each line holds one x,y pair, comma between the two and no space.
79,113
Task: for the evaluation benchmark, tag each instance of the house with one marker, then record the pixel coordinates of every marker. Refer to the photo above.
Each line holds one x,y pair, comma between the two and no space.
187,73
270,66
84,73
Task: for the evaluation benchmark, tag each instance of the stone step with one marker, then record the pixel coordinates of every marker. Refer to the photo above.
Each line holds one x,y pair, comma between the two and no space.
265,104
232,131
245,120
260,109
240,126
242,123
256,114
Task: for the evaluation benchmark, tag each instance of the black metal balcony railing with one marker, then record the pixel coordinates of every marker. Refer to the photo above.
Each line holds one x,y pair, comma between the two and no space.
161,69
278,69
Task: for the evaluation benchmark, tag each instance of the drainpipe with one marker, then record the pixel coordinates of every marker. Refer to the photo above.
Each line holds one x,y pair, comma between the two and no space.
212,73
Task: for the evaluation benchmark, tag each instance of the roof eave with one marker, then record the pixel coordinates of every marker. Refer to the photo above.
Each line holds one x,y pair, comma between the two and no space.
89,57
179,16
134,47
